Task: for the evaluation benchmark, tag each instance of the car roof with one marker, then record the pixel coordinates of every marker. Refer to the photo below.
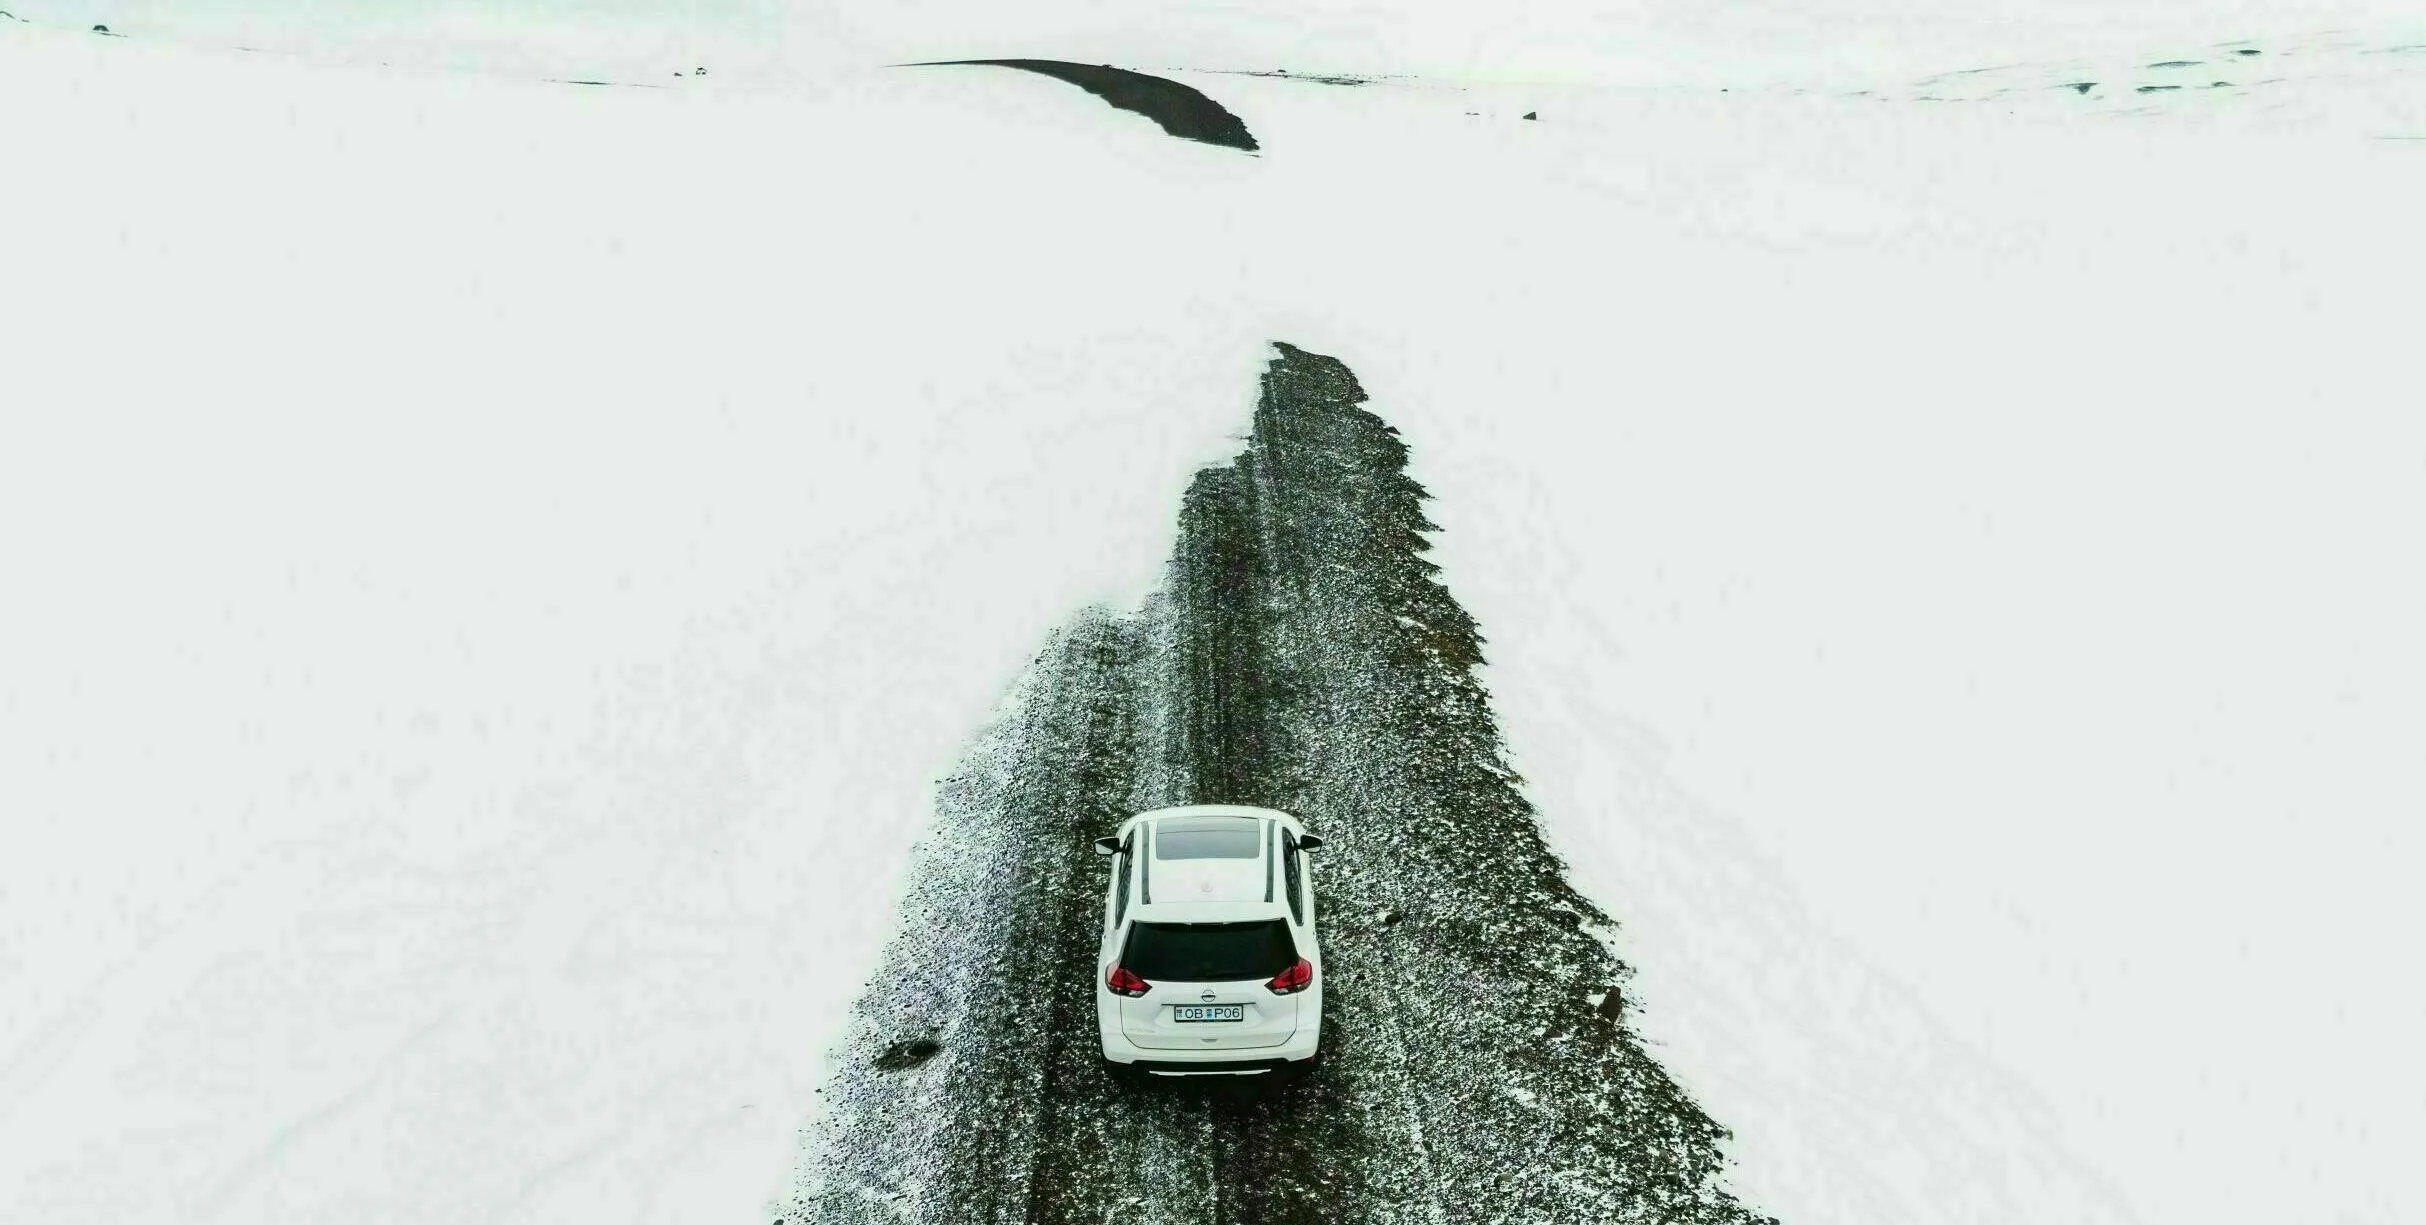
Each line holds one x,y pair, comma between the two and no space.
1192,869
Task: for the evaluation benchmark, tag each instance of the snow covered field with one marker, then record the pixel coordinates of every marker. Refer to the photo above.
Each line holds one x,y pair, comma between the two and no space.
494,568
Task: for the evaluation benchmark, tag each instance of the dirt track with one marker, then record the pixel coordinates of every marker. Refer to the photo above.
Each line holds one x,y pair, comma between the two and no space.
1301,655
1180,110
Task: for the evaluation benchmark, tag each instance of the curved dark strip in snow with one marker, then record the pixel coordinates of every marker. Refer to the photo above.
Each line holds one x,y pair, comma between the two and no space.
1302,655
1182,111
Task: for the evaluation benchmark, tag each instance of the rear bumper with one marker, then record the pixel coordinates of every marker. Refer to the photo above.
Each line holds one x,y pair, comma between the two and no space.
1225,1067
1249,1062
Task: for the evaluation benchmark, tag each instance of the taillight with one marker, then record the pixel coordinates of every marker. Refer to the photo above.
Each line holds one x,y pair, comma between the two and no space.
1294,979
1124,983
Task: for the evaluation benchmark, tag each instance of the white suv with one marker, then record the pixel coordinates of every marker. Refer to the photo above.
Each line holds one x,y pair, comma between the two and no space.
1209,964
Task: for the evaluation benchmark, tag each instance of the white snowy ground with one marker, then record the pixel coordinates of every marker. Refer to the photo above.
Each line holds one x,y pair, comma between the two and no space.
493,568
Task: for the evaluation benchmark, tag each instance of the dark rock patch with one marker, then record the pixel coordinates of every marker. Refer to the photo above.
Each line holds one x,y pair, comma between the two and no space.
907,1054
2081,87
1612,1007
2175,64
2157,89
1182,111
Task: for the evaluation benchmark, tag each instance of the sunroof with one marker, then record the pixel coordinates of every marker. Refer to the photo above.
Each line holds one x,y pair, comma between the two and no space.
1208,838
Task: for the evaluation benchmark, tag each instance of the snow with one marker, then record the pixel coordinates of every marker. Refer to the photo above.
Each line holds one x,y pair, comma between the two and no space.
1749,42
492,577
495,567
2017,579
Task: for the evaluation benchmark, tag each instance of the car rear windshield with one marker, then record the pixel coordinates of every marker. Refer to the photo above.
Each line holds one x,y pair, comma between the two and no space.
1209,838
1209,952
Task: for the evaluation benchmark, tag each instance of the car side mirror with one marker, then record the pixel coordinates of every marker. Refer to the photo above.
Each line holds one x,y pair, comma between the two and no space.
1310,843
1107,846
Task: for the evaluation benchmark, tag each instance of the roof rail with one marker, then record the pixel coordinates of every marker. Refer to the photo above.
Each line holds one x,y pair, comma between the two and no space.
1272,856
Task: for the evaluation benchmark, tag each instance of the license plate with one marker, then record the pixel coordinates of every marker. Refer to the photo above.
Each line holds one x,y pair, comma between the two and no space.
1217,1012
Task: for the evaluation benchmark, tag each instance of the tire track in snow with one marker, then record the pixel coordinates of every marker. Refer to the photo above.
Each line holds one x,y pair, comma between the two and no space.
1517,1094
954,1130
